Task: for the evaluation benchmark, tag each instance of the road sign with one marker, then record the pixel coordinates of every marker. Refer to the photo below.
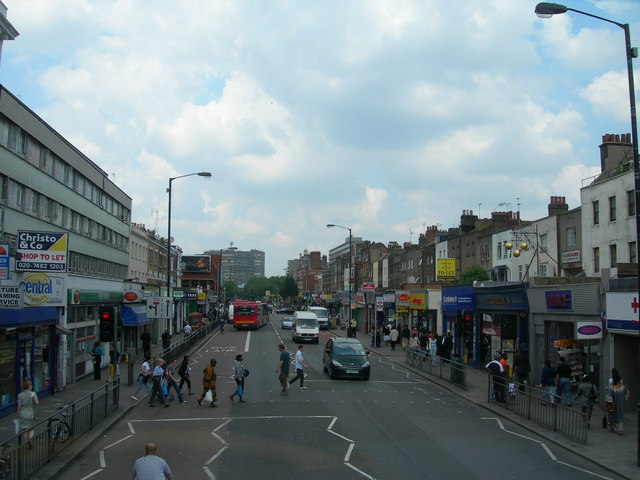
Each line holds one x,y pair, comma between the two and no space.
368,286
159,307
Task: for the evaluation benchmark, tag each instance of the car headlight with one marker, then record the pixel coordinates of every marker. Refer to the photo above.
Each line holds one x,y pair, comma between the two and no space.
336,363
365,364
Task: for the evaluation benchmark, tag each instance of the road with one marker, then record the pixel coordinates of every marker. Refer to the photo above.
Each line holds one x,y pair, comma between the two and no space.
394,426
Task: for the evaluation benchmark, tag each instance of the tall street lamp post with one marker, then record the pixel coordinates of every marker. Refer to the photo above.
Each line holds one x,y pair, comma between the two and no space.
547,10
331,225
200,174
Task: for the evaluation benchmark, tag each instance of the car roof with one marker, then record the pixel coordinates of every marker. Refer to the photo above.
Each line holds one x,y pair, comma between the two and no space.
346,340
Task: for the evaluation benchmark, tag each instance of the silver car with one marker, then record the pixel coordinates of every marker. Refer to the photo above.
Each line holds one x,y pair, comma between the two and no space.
287,323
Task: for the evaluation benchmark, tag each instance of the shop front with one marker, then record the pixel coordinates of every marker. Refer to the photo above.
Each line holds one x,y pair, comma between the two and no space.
458,318
502,311
27,351
621,344
418,309
566,322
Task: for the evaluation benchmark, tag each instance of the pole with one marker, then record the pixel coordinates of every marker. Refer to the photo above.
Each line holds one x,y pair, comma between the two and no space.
169,242
350,266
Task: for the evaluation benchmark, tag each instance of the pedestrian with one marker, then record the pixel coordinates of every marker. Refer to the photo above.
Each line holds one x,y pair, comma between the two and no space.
171,381
393,337
522,367
298,362
97,352
563,380
617,394
433,348
114,358
494,367
184,372
143,378
151,467
146,343
423,341
385,335
586,396
614,373
187,329
222,324
504,361
405,335
414,344
447,346
240,372
157,379
166,339
26,412
209,377
548,382
283,369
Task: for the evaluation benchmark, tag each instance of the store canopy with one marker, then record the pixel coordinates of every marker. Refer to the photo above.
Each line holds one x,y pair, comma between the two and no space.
134,315
28,316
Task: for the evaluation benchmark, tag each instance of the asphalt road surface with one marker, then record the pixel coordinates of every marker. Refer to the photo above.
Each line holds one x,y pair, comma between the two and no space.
394,426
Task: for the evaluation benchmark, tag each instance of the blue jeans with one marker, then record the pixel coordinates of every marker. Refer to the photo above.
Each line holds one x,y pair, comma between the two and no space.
140,383
172,383
563,386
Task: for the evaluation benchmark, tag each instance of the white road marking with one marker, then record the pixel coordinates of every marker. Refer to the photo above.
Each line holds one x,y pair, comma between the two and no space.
103,463
360,471
115,443
247,341
209,473
91,474
546,449
348,454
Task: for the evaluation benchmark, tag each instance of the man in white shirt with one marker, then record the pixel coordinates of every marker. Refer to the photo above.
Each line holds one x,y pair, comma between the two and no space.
151,467
298,362
187,329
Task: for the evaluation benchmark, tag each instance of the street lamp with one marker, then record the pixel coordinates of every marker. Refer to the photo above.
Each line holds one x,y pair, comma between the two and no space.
200,174
547,10
331,225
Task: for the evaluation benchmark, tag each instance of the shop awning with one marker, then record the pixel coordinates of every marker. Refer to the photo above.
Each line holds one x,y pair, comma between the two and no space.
134,315
28,316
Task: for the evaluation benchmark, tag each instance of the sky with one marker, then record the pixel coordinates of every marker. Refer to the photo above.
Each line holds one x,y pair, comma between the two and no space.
384,116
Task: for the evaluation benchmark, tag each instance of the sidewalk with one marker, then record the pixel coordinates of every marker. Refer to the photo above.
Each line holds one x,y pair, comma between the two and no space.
610,451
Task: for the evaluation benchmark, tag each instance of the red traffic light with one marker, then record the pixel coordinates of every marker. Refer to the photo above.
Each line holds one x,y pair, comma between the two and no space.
105,315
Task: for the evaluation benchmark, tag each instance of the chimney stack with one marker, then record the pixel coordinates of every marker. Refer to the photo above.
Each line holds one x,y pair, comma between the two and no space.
557,206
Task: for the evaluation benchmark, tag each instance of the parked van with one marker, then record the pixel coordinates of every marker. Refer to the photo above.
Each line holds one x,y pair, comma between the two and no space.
323,316
305,327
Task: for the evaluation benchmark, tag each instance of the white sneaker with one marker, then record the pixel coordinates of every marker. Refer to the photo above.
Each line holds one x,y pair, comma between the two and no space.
134,397
303,388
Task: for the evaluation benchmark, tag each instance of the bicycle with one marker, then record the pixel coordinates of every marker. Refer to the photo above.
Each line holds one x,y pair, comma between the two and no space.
60,431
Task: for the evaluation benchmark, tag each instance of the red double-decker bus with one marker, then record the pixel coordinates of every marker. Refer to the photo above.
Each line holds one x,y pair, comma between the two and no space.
250,315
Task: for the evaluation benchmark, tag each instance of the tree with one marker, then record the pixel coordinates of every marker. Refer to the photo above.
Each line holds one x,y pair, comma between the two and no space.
230,289
474,273
289,287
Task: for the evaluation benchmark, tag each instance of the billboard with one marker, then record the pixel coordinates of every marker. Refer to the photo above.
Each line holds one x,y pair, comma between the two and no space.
196,264
445,268
41,251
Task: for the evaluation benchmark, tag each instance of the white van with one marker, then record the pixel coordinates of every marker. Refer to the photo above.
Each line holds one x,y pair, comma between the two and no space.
305,327
323,316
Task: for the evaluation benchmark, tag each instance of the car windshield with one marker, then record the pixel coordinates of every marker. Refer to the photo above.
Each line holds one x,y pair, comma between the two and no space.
308,322
349,349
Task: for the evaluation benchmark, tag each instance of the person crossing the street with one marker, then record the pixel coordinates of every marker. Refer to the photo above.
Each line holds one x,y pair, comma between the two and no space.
298,362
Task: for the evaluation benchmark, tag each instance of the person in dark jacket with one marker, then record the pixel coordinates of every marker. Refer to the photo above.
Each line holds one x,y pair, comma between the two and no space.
146,342
522,368
547,382
563,381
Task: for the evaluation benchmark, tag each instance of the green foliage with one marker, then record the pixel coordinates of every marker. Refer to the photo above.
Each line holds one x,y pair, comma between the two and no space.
289,288
475,272
230,289
281,287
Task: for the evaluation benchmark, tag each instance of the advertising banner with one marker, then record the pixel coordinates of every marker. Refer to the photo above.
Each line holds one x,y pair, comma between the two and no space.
622,312
402,298
42,289
41,251
445,268
196,263
4,262
10,298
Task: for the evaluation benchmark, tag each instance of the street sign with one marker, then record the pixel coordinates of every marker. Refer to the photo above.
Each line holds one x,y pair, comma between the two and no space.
42,251
368,286
159,307
10,298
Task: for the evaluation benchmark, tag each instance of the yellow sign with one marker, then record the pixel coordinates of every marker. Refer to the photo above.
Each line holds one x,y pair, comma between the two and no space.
445,268
417,301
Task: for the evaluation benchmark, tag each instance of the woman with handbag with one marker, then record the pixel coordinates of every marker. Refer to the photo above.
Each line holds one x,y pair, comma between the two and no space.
617,394
26,412
143,378
209,376
240,372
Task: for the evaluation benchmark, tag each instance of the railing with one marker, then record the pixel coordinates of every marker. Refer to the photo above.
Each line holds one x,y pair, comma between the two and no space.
58,431
183,347
532,403
449,370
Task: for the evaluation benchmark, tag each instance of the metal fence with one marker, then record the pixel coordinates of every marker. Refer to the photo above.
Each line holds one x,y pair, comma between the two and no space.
533,404
57,432
179,349
450,370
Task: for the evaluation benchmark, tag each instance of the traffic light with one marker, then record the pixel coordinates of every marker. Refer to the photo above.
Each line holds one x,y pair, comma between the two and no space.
467,325
107,323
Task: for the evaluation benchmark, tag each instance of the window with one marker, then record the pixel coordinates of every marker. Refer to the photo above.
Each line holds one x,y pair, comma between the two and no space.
543,242
612,209
633,253
596,260
17,140
631,203
571,237
499,253
613,255
596,212
542,270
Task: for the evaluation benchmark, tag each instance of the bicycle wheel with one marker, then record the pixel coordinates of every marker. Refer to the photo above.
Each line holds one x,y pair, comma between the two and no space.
63,433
